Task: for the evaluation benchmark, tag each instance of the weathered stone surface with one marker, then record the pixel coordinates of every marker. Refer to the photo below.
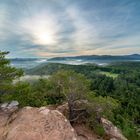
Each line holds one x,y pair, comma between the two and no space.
6,113
9,107
39,124
3,121
112,131
63,109
84,133
13,104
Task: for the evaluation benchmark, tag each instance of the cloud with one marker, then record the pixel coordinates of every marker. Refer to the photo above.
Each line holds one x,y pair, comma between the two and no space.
47,28
42,28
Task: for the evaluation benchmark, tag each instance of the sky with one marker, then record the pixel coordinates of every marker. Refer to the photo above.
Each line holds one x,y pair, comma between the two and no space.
50,28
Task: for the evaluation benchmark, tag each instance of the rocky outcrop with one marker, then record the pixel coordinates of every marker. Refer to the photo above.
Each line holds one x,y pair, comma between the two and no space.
84,133
35,124
6,110
9,107
46,123
112,131
63,109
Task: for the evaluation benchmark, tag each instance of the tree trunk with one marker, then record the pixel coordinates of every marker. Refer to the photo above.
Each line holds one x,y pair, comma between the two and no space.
71,113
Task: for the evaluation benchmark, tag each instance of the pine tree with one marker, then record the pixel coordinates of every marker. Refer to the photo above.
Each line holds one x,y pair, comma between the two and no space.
7,73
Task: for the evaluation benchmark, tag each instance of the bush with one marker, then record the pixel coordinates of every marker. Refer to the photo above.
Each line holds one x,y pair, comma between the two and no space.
48,92
19,92
97,108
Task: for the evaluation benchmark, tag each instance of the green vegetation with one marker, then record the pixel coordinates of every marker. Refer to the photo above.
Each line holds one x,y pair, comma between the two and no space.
73,87
109,74
91,91
7,75
50,68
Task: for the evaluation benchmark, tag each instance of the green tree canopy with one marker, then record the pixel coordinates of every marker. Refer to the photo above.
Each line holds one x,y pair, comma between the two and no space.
7,73
72,85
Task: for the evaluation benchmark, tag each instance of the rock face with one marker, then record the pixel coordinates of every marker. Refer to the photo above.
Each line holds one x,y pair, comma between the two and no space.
6,110
36,124
63,109
3,123
112,131
9,107
84,133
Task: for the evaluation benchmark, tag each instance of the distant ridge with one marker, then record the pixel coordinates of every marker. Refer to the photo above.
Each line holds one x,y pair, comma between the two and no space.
99,57
85,57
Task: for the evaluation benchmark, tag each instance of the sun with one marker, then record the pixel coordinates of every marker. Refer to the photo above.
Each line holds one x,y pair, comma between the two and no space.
42,29
44,37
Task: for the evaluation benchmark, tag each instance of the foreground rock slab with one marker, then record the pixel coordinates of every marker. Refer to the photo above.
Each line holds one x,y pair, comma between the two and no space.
37,124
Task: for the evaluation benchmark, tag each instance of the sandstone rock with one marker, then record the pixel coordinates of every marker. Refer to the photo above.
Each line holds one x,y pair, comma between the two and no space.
9,107
63,109
39,124
3,122
112,131
13,104
4,105
6,109
84,133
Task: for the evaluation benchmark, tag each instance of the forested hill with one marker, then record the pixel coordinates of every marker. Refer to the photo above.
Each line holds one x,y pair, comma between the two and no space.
49,68
100,57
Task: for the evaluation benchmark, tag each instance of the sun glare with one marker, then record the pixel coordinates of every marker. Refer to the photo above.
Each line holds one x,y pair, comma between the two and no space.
44,38
42,29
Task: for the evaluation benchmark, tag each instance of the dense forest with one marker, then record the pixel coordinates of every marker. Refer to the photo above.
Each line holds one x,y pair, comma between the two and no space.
114,88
